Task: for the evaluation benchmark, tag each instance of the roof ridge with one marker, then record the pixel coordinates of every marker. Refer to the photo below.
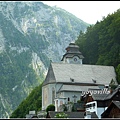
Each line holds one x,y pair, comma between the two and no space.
79,64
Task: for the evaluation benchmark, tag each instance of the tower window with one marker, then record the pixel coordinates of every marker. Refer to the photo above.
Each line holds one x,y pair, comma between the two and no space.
75,59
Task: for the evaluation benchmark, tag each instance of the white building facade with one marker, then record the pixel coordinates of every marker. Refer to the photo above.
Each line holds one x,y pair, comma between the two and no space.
65,81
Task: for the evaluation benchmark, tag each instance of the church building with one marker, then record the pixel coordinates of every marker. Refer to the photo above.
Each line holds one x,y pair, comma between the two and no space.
66,80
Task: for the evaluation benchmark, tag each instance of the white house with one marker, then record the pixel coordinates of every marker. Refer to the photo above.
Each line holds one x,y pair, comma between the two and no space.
66,80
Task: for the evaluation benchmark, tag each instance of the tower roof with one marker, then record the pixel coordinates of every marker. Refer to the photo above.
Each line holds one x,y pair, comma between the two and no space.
72,50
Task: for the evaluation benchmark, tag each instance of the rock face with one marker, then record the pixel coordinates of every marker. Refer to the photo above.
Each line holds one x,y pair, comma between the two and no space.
31,34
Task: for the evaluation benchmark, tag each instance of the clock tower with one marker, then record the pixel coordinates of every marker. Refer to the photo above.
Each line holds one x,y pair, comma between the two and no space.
72,55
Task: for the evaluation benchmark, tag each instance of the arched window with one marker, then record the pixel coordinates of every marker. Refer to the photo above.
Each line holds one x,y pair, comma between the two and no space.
68,99
53,95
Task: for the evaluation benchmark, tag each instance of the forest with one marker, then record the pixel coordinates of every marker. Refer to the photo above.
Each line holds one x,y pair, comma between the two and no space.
100,44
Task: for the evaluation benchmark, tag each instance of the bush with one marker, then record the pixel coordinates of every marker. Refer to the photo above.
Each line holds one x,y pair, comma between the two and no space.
61,115
50,107
78,101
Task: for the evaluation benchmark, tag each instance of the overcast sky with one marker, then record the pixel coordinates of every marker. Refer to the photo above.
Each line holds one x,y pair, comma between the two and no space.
88,11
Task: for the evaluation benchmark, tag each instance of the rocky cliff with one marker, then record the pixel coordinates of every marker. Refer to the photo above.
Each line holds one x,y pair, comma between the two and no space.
31,34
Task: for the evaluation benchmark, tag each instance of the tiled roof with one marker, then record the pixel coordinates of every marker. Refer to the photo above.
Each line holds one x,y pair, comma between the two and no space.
117,103
76,88
107,111
99,96
72,55
106,96
109,96
83,73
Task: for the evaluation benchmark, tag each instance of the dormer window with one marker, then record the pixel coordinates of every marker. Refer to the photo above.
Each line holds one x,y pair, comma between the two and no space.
94,81
106,86
71,79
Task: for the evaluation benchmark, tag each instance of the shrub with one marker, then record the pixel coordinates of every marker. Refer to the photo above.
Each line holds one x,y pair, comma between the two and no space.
50,107
61,115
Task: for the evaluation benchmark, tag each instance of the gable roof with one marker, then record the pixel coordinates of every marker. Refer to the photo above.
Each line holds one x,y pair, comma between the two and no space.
109,96
117,103
72,50
81,73
105,95
50,78
112,104
99,96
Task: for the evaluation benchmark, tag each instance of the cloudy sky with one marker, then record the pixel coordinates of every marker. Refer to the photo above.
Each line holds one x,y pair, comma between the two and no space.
88,11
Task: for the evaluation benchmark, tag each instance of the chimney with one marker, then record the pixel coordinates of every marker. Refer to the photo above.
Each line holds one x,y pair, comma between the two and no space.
110,89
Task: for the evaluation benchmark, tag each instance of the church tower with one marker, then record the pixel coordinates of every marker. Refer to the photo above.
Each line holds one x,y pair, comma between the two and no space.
72,55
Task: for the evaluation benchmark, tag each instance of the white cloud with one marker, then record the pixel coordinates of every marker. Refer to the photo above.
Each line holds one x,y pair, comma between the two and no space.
88,11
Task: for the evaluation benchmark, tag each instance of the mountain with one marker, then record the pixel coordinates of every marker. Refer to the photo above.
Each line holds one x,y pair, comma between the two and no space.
31,34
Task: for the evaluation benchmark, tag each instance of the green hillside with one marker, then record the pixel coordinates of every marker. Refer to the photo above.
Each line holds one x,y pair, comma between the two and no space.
32,102
100,44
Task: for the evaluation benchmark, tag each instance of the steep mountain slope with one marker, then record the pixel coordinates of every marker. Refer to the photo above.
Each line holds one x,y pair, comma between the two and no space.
32,102
31,34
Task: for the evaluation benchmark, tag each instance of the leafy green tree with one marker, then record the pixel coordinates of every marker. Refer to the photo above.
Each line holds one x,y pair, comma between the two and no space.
32,102
100,44
50,107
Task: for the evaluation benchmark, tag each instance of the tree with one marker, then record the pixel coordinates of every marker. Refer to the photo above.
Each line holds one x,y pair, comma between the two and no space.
50,107
118,73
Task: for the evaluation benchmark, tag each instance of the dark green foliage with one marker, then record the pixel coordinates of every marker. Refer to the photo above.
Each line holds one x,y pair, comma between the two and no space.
32,102
73,109
50,107
118,73
100,44
65,108
112,85
78,101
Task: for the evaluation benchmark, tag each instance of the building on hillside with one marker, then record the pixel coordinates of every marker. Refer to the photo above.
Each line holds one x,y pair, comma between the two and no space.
113,110
65,81
99,101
